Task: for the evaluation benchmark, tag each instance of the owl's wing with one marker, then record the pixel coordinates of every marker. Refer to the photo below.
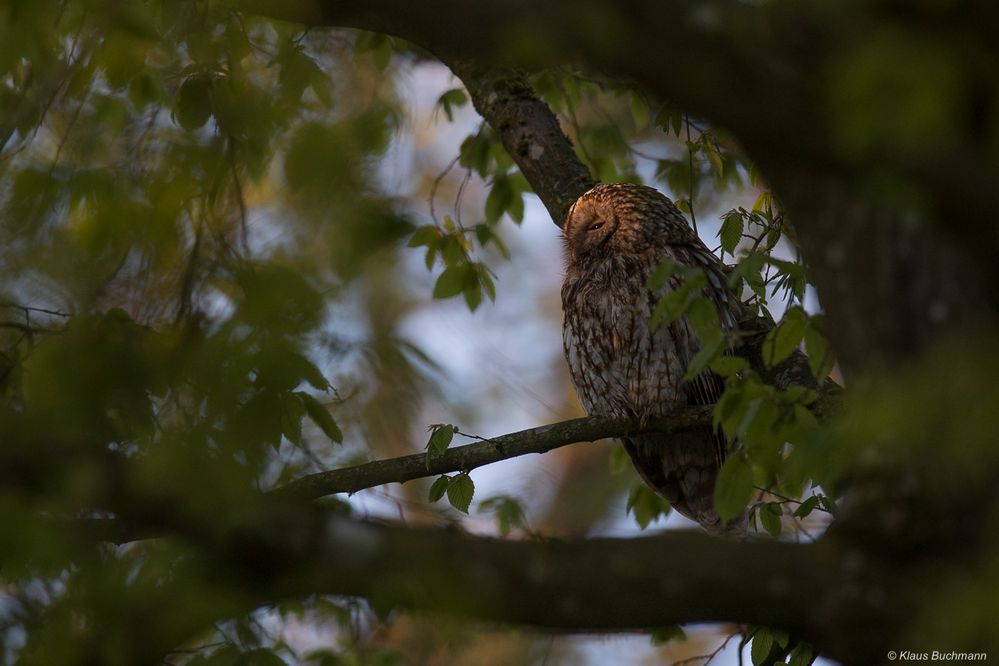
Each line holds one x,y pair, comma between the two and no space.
702,390
707,387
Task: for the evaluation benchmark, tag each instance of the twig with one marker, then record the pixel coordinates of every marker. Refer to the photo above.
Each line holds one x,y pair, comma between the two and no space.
708,658
690,166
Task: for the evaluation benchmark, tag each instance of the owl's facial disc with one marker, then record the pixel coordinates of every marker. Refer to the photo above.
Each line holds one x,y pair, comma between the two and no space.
588,228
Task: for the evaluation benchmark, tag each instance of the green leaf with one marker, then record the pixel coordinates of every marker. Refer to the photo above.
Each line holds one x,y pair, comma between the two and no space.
639,111
194,103
798,395
806,507
499,200
292,413
664,635
460,491
763,642
828,503
439,487
309,372
734,487
785,337
618,460
763,202
455,97
801,655
430,257
704,356
795,273
669,308
508,512
485,235
728,366
731,231
770,515
748,269
473,295
487,284
659,276
428,235
441,435
758,425
715,158
454,251
451,282
820,357
475,152
703,317
645,505
321,417
726,407
473,285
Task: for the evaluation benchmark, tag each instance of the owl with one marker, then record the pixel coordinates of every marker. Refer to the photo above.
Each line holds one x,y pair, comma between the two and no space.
615,237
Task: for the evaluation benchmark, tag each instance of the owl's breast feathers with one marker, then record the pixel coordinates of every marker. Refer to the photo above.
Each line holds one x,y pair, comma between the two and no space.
622,367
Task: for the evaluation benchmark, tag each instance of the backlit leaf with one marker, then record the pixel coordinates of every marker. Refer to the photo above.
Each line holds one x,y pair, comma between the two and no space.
440,438
770,517
734,487
785,337
322,417
646,505
438,488
460,491
731,231
451,282
763,642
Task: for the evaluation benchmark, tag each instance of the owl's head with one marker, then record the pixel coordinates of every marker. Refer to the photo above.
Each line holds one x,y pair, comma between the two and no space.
622,219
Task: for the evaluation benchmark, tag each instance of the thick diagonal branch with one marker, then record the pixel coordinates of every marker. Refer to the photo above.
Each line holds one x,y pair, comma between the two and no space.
590,585
531,134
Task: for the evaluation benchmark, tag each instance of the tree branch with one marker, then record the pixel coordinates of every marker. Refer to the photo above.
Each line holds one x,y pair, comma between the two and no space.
533,440
531,134
591,585
468,457
455,459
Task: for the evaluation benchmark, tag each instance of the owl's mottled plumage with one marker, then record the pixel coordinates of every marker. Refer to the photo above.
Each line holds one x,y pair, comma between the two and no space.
616,236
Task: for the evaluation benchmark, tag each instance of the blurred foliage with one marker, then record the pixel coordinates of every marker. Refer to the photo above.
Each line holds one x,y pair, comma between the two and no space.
188,195
201,278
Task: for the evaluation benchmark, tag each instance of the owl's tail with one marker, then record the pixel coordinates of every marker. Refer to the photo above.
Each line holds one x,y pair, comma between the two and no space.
683,468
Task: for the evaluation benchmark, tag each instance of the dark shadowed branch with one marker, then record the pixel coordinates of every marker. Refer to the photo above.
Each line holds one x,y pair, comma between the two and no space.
592,585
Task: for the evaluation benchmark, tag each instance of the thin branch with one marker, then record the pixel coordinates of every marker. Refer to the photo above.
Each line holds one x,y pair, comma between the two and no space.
533,440
26,308
468,457
28,328
708,658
